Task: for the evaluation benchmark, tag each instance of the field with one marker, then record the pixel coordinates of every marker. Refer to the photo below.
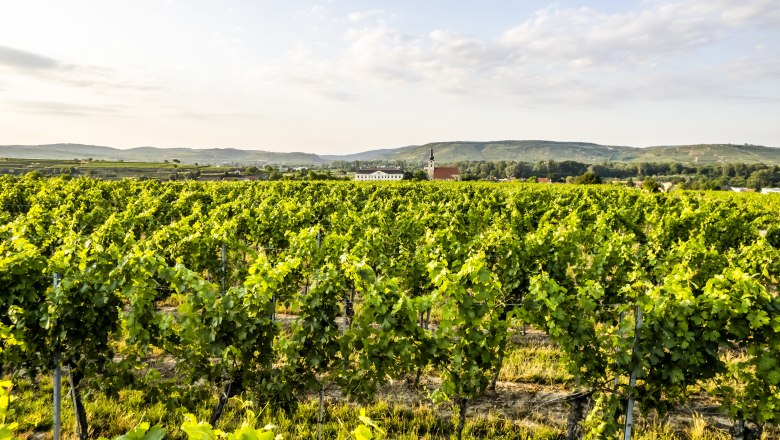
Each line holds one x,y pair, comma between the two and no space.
446,310
113,170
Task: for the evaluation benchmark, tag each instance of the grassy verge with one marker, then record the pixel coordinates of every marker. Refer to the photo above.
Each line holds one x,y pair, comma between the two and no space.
113,416
538,363
533,374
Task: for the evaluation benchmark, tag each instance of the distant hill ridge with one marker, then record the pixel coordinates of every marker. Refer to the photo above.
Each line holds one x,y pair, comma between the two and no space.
153,154
538,150
509,150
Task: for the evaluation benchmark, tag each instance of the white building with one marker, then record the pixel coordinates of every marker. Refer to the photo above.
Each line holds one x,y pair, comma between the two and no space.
379,174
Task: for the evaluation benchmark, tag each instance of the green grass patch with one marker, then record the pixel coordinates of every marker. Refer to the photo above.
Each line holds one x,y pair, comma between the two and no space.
110,416
535,363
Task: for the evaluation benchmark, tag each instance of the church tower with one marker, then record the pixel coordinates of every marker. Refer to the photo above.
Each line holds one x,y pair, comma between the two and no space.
430,165
441,173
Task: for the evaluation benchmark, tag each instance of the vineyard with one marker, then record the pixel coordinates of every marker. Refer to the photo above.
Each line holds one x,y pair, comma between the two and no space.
282,292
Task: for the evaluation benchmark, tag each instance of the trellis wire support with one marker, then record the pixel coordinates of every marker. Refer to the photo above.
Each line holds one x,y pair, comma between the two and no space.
57,393
79,428
632,380
224,267
617,376
321,414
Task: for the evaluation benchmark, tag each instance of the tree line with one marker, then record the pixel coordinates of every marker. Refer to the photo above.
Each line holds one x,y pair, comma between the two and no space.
687,176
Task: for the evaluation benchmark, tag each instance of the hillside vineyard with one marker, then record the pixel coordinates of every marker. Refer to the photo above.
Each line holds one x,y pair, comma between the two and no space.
280,289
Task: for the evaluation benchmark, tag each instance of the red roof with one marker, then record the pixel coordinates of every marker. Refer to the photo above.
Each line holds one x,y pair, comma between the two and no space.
445,173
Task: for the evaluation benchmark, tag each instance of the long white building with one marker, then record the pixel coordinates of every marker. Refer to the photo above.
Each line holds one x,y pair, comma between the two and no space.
386,174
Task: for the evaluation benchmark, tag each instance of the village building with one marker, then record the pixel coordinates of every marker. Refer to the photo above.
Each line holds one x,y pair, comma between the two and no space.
386,174
441,173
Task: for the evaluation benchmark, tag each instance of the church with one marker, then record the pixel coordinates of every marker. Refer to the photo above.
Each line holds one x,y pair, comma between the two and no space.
441,173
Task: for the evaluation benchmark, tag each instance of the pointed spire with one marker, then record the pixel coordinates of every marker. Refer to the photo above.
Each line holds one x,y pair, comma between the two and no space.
430,165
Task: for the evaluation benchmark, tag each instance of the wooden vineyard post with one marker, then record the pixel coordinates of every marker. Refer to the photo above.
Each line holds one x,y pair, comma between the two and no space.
346,313
57,393
224,268
617,376
321,414
322,387
78,406
632,380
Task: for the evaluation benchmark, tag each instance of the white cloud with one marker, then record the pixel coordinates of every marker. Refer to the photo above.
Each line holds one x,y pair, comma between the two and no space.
569,55
336,95
64,108
316,9
24,64
363,15
23,60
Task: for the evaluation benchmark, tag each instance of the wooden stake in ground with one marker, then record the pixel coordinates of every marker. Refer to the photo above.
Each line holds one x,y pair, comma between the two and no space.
57,400
463,403
577,403
57,392
320,416
632,380
74,377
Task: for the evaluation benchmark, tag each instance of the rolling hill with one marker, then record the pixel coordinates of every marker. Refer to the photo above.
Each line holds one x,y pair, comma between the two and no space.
215,156
529,151
445,152
534,151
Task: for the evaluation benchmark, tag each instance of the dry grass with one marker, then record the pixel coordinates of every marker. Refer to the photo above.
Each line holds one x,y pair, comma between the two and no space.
535,363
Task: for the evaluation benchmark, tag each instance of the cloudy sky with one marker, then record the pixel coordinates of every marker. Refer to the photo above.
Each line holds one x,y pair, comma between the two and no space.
339,76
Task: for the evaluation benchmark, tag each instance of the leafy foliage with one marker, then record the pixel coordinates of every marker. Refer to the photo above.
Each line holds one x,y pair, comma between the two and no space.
281,289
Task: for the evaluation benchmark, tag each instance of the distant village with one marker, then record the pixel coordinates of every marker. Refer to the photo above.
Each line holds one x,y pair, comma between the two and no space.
656,177
389,174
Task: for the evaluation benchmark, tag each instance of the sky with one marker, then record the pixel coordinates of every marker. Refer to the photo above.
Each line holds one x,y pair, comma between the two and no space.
343,76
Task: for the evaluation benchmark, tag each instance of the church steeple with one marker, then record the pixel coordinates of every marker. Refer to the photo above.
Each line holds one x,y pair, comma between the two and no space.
430,162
